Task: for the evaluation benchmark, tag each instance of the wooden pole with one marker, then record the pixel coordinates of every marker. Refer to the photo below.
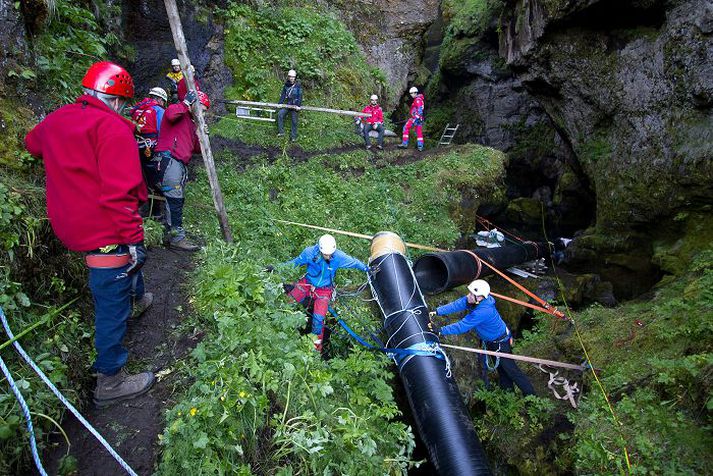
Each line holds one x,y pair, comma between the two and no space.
355,235
302,108
181,49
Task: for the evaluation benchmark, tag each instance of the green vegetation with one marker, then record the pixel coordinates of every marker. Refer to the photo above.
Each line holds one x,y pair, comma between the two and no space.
36,275
656,364
72,41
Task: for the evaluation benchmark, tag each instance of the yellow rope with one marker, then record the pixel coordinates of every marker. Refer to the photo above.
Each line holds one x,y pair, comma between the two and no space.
616,420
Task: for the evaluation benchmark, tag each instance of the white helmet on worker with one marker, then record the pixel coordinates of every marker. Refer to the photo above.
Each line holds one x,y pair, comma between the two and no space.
159,93
175,62
327,244
479,287
374,97
292,73
413,90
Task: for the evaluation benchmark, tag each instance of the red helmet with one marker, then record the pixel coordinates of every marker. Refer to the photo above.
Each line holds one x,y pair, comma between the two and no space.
109,78
204,99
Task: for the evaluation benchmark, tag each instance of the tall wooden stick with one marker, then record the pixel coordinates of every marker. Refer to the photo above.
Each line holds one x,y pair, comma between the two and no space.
180,42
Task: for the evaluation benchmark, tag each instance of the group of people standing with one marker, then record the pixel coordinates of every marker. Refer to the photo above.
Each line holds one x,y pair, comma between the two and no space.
98,163
291,96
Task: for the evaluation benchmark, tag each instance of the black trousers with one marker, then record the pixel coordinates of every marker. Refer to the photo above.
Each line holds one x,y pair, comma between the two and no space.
508,371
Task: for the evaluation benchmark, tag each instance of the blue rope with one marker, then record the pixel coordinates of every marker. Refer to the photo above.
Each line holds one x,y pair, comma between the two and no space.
398,354
26,412
64,401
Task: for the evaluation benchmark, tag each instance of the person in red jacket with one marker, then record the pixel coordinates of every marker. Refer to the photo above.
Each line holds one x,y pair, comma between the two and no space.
375,122
416,120
94,188
177,142
182,86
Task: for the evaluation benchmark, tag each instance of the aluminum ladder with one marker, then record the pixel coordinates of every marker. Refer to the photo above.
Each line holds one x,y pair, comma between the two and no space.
448,134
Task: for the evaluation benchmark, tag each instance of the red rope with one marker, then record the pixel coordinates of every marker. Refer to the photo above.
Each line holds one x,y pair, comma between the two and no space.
546,307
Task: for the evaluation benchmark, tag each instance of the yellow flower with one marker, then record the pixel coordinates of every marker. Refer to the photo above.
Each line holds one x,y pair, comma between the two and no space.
222,398
194,410
242,394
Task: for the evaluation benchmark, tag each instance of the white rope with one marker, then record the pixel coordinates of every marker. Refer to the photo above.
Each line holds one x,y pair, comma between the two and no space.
64,401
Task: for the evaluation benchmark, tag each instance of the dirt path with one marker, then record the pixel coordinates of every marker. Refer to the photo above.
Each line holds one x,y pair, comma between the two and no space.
132,427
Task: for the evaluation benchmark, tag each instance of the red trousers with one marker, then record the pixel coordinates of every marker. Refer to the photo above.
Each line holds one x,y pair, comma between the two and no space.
407,130
321,297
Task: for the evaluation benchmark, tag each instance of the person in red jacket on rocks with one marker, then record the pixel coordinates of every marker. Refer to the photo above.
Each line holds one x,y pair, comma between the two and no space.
375,122
177,142
94,188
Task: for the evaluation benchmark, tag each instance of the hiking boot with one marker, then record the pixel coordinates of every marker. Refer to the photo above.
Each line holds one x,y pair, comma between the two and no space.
142,305
380,147
122,386
420,149
184,245
280,134
318,345
368,147
402,146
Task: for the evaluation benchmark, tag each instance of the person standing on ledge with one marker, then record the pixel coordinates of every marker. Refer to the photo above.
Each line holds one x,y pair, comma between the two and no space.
415,120
292,96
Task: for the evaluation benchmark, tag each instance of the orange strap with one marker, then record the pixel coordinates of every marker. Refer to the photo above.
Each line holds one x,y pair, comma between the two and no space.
546,307
107,261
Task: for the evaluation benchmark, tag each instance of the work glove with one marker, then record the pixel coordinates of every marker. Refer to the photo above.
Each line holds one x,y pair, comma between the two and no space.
432,314
433,327
269,268
190,98
137,251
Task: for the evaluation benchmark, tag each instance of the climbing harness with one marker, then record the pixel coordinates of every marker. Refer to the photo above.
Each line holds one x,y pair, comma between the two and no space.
571,392
64,401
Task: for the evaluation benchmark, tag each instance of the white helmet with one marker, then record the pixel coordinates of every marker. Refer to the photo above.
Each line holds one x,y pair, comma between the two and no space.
175,62
479,287
327,244
292,73
413,90
374,97
159,93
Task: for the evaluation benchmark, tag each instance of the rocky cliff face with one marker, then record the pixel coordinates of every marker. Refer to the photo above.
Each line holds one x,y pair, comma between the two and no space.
628,84
605,109
391,34
631,85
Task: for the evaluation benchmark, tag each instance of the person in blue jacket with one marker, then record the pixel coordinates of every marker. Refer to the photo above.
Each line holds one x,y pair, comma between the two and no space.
322,260
486,321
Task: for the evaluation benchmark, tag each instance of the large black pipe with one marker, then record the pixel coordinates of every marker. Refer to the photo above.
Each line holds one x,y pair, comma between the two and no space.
442,418
438,272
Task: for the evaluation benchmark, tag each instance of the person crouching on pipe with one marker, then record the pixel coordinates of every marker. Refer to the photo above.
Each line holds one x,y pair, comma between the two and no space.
484,318
322,261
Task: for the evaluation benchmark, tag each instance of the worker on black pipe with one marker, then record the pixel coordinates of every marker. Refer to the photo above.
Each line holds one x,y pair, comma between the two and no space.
322,260
484,318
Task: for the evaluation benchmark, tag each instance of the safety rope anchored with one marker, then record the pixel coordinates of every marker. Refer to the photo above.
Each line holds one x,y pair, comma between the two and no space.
62,399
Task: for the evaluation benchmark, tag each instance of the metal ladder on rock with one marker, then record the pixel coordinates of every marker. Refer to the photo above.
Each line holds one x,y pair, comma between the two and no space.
448,134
